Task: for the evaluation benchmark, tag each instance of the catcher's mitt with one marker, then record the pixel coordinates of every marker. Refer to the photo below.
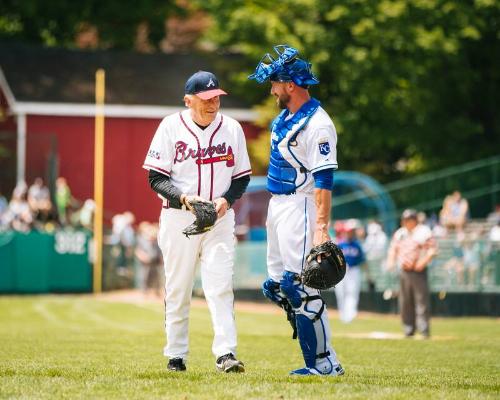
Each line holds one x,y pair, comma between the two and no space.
327,273
206,215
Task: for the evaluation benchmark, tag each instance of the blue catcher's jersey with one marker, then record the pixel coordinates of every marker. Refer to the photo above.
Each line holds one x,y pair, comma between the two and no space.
301,143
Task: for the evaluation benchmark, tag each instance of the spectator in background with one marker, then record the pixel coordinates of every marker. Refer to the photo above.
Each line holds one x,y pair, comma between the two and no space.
455,264
375,244
494,216
18,215
84,217
21,189
127,236
412,248
347,291
494,235
472,251
359,230
63,199
454,213
148,255
123,239
39,200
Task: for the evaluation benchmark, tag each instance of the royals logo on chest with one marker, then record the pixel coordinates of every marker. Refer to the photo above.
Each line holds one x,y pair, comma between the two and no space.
205,155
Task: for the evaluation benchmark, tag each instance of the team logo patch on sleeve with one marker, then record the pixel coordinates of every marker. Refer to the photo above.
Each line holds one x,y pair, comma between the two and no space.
324,147
154,154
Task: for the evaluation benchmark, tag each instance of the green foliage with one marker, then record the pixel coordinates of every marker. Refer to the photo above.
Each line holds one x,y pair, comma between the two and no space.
260,148
408,82
56,22
80,347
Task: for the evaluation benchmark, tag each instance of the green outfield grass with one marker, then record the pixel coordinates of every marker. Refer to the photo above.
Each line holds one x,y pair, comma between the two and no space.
78,347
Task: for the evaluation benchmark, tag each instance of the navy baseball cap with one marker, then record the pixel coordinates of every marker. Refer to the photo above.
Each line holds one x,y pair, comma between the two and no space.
203,84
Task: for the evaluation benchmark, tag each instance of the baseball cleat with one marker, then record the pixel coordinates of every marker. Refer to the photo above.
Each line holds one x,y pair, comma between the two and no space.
336,371
176,364
228,363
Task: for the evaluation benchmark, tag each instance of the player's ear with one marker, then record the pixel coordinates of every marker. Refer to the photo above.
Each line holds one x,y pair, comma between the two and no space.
290,87
187,100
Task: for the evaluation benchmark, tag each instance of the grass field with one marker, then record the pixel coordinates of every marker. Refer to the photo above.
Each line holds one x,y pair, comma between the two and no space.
79,347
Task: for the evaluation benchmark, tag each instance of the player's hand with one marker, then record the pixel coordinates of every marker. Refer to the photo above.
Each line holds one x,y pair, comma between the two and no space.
408,264
221,206
186,200
419,266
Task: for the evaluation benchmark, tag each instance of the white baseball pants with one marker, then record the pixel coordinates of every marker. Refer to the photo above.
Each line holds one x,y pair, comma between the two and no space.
291,220
290,228
214,251
347,294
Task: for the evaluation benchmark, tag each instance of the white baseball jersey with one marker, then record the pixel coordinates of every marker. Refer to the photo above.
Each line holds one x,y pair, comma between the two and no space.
199,161
314,149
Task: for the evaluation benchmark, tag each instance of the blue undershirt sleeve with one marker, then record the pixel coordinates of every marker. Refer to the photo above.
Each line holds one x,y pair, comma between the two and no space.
323,179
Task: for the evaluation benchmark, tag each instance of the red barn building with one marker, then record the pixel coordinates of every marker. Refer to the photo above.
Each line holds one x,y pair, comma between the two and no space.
47,117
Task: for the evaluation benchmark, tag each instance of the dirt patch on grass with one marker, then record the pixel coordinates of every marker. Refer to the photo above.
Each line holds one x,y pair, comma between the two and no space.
138,297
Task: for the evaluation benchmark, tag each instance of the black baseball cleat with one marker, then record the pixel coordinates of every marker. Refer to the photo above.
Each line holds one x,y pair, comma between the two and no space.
176,364
227,363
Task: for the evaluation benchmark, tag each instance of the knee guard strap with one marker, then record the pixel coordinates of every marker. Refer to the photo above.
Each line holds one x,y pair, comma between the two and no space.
318,314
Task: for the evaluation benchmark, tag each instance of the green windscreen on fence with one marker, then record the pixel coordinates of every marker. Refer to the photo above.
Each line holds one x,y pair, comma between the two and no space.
37,262
446,273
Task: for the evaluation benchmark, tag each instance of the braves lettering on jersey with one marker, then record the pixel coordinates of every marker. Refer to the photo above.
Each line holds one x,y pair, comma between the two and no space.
199,162
301,143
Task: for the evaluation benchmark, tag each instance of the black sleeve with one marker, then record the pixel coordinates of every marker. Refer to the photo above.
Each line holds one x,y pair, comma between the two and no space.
237,188
161,184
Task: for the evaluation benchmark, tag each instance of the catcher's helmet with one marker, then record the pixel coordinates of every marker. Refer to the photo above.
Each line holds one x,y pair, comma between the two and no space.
286,68
297,71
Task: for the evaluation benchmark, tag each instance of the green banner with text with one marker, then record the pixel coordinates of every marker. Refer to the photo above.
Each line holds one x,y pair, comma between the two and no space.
39,262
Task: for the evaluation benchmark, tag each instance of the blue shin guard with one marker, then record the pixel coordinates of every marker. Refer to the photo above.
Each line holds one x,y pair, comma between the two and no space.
312,327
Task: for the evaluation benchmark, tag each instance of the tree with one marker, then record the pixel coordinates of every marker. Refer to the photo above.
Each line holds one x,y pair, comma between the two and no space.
412,85
57,22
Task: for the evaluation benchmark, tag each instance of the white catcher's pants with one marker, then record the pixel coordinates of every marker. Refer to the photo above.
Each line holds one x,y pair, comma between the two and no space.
214,251
347,293
290,228
290,224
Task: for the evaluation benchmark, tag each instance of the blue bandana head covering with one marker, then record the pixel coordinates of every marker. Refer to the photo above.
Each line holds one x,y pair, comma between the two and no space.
286,68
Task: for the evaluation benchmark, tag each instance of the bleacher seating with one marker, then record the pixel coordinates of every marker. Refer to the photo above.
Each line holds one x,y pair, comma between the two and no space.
447,271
